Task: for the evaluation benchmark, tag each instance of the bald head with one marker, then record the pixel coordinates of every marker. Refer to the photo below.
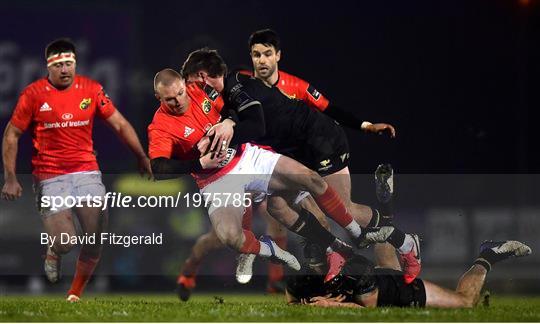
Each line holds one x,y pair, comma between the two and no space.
170,90
166,77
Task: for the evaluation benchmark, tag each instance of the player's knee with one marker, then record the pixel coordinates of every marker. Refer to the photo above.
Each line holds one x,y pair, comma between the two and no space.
465,301
62,248
469,303
231,236
314,182
209,239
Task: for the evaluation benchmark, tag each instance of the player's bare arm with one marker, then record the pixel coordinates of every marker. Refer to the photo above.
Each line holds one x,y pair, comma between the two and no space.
12,189
379,128
125,131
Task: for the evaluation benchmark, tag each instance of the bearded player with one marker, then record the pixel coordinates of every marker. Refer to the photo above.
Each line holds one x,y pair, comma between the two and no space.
59,111
265,52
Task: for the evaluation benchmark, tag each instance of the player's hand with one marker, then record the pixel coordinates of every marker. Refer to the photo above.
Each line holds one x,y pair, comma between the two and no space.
145,167
338,298
204,145
323,301
223,133
11,190
211,161
381,128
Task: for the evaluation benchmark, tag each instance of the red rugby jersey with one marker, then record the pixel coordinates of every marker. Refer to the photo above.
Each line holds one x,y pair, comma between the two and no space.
296,88
61,123
176,136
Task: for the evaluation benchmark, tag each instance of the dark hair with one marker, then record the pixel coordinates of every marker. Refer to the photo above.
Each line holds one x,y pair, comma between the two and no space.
357,276
266,37
204,59
61,45
306,286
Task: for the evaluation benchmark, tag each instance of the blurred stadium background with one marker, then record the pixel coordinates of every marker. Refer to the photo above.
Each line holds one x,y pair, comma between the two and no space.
458,79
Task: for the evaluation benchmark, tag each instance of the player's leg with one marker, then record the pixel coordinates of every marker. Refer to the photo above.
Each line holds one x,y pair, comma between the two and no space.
57,225
94,221
204,245
227,223
317,259
278,232
291,175
407,245
385,253
57,220
468,289
341,182
186,280
466,294
306,201
306,225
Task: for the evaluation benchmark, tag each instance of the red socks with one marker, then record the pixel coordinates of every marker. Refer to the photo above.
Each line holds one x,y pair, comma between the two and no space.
85,268
251,244
246,219
331,204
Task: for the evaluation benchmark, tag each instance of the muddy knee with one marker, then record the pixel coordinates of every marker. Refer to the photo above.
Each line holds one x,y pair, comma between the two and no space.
62,248
231,236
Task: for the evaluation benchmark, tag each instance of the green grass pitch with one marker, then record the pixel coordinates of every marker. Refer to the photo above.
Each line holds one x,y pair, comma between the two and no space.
244,308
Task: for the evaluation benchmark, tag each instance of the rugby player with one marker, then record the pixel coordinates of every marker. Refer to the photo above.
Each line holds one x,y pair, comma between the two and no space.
292,128
265,52
360,284
186,114
59,110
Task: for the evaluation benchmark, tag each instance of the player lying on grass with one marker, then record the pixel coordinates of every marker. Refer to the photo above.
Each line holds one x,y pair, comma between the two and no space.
360,284
178,145
292,128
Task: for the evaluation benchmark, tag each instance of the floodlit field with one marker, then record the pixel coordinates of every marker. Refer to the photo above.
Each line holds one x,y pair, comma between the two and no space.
248,308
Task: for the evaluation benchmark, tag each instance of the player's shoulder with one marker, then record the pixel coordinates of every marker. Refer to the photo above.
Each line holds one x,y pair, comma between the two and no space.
37,87
202,90
161,120
290,78
246,72
84,82
240,76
